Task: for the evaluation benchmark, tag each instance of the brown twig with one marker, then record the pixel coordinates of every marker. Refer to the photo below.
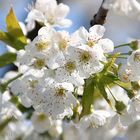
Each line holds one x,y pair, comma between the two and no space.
59,1
100,16
32,34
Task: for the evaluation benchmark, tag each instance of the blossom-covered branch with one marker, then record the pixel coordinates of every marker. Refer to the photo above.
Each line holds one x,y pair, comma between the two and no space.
68,85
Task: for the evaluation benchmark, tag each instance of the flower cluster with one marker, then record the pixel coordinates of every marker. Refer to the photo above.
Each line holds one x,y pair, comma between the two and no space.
56,63
130,70
48,12
68,85
129,8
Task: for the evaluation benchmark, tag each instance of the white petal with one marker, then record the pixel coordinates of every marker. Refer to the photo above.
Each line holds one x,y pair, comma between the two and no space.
25,101
62,10
35,15
47,31
97,31
83,33
107,45
64,22
30,25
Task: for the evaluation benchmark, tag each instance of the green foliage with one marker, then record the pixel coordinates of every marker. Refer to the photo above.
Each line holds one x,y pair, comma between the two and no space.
7,58
87,99
14,35
98,83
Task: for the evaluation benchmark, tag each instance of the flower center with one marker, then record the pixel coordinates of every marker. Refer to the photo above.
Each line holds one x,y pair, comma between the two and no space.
70,66
33,83
41,46
51,20
91,43
85,56
60,92
39,63
125,77
41,117
63,44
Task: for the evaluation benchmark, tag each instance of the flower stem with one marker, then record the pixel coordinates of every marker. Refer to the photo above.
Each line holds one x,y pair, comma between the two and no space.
122,45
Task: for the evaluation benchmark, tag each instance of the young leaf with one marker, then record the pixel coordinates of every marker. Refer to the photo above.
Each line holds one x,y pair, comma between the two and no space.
87,99
7,58
14,36
11,40
13,27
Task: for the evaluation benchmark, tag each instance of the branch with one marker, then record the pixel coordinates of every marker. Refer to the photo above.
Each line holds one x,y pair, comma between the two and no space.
32,34
100,16
59,1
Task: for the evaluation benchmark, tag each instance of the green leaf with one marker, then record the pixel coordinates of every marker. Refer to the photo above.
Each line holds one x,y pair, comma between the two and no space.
13,26
14,36
11,40
87,99
112,61
7,58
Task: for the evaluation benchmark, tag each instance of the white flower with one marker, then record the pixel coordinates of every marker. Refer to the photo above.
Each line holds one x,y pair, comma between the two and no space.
119,94
88,59
45,51
56,128
41,122
10,131
134,61
69,73
133,131
48,13
71,131
96,119
95,33
35,136
130,114
134,108
126,7
57,101
38,60
45,95
28,89
127,73
40,44
62,38
130,71
8,109
93,37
